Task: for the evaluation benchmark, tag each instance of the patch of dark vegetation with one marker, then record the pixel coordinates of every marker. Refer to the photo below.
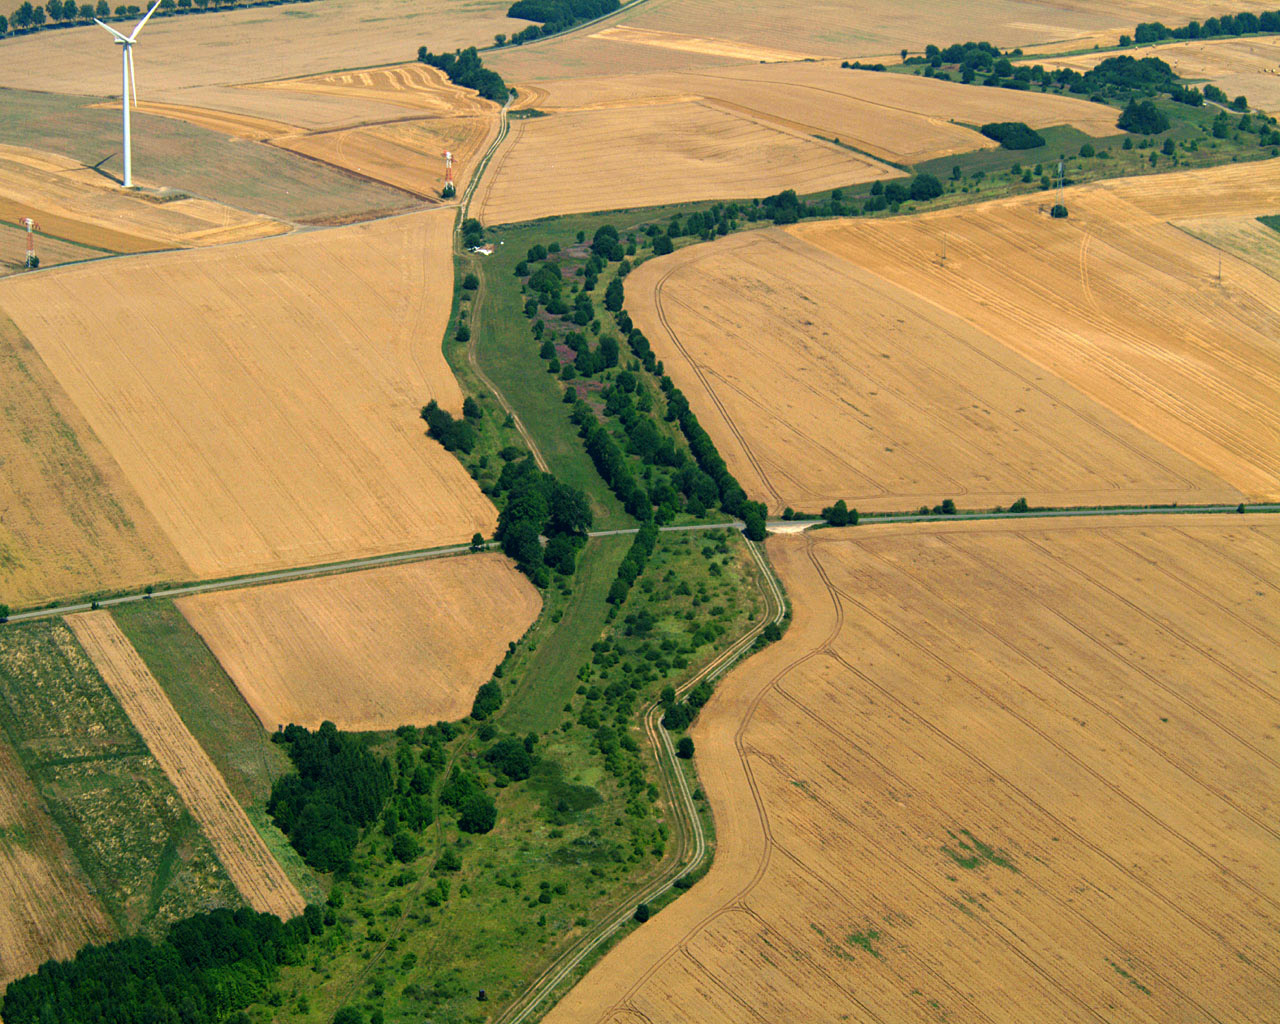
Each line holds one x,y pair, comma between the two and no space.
1013,135
973,853
555,16
465,68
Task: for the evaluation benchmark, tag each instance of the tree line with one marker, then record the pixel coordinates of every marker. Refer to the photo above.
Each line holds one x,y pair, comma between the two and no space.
206,970
59,13
465,68
1243,24
554,16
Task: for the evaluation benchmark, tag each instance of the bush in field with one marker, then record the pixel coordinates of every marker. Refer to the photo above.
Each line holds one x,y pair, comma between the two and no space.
1013,135
1143,118
925,187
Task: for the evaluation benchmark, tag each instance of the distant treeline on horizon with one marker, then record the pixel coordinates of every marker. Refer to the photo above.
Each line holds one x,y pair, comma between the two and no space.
59,14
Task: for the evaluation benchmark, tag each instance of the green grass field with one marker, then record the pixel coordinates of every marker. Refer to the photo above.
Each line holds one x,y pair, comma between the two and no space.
146,858
572,840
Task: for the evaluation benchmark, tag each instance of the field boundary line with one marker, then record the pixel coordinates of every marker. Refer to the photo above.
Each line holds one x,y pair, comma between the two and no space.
257,875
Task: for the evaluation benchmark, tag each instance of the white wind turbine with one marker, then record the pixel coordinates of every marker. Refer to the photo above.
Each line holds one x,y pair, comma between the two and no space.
128,83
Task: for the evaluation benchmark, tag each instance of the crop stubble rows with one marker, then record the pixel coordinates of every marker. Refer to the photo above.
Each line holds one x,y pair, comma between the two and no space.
255,872
1067,808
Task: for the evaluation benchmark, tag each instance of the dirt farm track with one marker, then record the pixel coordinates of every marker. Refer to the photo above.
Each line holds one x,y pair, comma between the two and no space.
929,809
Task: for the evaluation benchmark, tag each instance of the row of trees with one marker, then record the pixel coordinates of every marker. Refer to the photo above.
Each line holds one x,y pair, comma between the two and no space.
57,13
206,970
554,16
1243,24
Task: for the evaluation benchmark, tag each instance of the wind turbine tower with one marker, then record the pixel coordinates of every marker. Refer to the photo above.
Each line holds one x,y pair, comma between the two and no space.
128,84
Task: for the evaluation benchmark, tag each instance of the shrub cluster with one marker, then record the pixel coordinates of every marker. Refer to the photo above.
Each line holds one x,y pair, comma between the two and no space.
1013,135
1243,24
538,505
554,15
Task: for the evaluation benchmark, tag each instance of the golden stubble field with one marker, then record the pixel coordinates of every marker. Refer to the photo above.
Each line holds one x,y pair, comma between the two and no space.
854,361
261,400
407,644
71,523
75,203
47,910
929,809
894,117
658,152
257,875
250,45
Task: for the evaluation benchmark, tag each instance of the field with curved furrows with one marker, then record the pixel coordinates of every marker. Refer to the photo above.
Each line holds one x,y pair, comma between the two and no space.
556,165
265,416
376,649
897,362
929,809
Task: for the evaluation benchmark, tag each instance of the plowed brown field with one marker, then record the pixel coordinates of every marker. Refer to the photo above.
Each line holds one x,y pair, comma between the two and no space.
403,645
1249,66
73,202
928,808
262,399
256,874
406,154
560,164
855,362
47,911
71,522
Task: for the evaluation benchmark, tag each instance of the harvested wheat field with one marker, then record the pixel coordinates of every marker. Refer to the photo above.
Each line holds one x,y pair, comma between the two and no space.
406,644
820,380
406,154
71,523
263,402
52,251
47,911
930,809
75,203
744,52
419,87
239,126
1245,237
1109,327
1248,66
248,862
893,117
838,29
556,165
251,44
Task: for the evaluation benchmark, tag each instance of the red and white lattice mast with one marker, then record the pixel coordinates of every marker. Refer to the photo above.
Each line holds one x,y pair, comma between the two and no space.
30,225
448,175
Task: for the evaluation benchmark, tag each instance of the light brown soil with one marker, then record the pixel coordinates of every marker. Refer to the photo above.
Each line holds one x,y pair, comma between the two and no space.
930,808
70,521
73,202
52,251
257,875
745,52
820,381
47,911
557,164
1249,66
406,154
403,645
263,399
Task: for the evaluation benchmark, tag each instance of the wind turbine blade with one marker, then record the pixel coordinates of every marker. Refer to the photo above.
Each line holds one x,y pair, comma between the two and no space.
109,29
138,27
133,78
